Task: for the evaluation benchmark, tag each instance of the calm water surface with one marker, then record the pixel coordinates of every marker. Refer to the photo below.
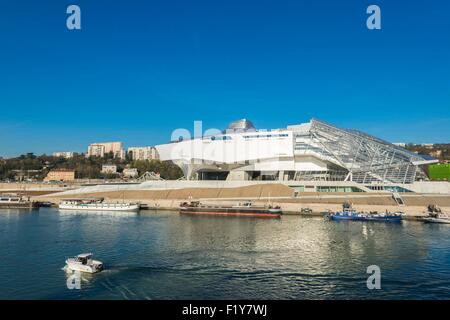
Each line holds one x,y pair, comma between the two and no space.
167,256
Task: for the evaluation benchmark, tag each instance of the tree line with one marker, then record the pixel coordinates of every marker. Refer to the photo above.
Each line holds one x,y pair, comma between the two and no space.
37,167
440,151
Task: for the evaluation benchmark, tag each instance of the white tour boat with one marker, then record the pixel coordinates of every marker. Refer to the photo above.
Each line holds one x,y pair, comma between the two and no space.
84,263
97,205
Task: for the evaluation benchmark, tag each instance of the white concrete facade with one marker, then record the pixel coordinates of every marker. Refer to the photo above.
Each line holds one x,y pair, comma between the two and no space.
313,151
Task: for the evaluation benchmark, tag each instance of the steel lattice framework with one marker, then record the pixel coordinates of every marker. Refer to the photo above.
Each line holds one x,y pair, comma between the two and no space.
367,158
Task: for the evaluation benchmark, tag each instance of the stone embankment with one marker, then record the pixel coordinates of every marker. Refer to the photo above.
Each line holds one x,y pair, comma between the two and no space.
276,194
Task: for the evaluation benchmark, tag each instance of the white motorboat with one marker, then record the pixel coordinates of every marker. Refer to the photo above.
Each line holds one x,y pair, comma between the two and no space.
84,263
435,215
439,218
97,205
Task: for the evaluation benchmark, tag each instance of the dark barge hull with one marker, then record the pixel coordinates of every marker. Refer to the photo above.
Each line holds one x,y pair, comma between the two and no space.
234,212
28,206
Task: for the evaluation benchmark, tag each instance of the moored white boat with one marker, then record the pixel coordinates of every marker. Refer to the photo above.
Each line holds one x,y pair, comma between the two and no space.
97,205
435,215
16,201
84,263
437,220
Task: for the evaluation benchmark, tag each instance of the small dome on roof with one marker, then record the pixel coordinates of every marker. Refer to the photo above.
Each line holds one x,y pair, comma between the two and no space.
241,125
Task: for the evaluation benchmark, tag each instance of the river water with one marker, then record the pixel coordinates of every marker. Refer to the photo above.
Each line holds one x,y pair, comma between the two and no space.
165,255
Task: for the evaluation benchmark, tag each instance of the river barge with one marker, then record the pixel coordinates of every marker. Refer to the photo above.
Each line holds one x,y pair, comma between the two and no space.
246,209
15,201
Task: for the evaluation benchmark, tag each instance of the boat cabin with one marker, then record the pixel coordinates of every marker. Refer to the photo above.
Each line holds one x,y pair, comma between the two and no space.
82,201
190,204
83,258
8,198
244,204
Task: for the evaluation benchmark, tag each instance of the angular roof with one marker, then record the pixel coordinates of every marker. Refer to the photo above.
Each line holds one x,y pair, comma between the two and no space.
240,125
367,158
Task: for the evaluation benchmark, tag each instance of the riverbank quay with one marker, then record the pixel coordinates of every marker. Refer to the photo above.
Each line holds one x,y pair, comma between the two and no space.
411,213
414,205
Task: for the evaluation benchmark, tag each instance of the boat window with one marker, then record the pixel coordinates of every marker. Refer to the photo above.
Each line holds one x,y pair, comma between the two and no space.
83,260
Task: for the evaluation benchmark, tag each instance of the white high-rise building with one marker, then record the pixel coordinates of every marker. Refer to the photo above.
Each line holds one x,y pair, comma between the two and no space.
63,154
103,148
96,150
143,153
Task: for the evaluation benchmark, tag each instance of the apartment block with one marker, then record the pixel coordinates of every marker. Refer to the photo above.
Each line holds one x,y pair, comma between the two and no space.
143,153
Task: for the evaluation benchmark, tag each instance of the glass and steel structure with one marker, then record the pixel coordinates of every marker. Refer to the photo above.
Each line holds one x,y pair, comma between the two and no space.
364,158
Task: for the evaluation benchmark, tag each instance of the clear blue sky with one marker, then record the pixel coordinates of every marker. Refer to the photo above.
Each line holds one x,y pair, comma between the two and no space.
139,69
